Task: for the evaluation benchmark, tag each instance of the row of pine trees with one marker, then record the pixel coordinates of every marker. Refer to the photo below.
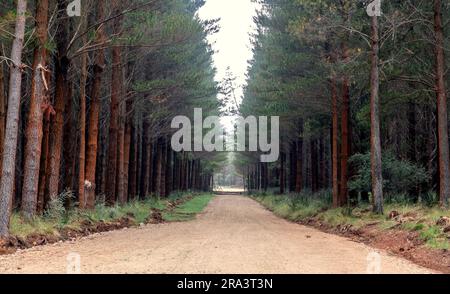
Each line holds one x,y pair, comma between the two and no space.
362,100
86,101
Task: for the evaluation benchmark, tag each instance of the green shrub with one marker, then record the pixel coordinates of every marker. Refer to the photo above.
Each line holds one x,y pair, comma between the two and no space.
398,176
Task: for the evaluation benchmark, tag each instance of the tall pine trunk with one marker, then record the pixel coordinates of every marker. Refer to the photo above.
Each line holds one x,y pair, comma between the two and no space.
375,140
282,172
82,125
345,129
92,142
61,93
12,121
43,165
299,163
121,171
132,168
444,168
335,149
116,91
34,131
2,111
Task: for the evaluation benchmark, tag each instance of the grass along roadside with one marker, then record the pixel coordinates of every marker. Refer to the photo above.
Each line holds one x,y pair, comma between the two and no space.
430,224
188,210
59,223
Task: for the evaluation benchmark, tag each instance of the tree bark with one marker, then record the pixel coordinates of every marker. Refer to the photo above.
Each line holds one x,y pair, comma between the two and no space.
2,111
282,172
335,150
116,93
375,140
91,153
345,125
70,148
444,168
12,121
82,126
56,135
132,192
121,171
314,166
169,169
34,131
322,167
43,165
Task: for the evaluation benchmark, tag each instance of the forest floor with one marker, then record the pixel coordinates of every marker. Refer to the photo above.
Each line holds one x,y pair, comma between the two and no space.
234,234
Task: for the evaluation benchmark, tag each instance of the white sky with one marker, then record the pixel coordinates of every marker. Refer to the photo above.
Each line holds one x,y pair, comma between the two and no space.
232,43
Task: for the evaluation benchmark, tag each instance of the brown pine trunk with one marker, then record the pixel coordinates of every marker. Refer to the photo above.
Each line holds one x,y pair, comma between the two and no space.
34,130
82,126
175,172
2,111
12,121
322,166
375,140
183,172
161,174
444,168
121,171
70,148
299,175
126,152
43,165
335,131
92,142
116,93
292,166
133,162
282,172
169,170
345,125
146,163
314,167
56,134
189,174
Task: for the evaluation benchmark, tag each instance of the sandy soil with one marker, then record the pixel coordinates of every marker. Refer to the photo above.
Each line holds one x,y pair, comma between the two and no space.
233,235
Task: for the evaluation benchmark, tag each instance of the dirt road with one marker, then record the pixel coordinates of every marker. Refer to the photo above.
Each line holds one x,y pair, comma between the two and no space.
233,235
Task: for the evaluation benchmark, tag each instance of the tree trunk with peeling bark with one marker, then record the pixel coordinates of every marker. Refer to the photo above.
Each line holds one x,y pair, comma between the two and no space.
34,129
12,121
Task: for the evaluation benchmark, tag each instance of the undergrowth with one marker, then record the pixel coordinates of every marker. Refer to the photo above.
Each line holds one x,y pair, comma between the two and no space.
59,215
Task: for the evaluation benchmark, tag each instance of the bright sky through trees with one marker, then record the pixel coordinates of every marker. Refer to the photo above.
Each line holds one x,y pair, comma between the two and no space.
232,43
